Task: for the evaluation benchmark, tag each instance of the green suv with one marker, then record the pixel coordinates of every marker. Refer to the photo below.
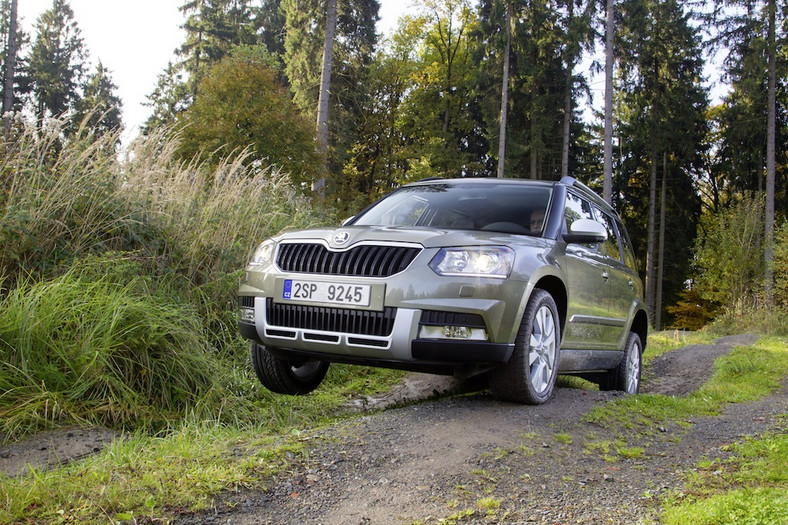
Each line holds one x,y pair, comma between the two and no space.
518,280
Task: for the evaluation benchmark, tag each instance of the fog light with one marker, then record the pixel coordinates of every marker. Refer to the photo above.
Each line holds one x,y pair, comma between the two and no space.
456,332
246,314
466,333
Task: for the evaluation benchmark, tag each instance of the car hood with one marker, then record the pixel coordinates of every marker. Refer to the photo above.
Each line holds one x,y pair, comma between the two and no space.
347,236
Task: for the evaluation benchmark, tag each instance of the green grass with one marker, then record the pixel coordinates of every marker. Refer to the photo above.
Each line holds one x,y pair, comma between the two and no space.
660,343
146,476
752,487
185,467
745,374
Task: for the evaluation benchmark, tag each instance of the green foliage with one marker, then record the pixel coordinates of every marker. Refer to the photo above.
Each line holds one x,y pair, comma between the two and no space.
781,266
242,107
182,232
438,111
354,46
728,255
100,342
99,109
56,62
213,28
743,375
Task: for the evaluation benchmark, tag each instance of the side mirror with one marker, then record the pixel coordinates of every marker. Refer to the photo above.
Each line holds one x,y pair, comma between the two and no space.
586,231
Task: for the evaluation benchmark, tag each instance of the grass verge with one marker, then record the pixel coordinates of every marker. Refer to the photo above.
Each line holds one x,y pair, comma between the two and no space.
745,374
752,487
143,477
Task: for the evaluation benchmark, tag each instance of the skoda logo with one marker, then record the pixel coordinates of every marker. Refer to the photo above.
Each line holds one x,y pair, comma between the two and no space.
341,237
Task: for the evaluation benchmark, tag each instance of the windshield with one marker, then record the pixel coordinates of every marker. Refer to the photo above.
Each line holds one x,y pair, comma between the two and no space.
508,208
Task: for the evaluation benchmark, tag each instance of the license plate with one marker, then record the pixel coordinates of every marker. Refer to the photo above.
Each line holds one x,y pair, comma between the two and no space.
329,293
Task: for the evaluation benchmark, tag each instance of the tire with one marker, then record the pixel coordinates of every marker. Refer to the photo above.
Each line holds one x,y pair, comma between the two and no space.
626,376
529,376
284,376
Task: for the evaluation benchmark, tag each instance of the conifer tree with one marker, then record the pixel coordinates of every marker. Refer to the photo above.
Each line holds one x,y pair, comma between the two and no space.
57,61
99,108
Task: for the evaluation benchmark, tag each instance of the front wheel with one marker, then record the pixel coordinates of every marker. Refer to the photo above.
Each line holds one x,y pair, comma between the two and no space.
285,376
626,376
529,376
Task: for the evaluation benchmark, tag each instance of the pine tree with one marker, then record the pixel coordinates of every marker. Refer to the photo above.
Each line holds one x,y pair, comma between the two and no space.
9,29
354,46
99,109
751,115
213,28
57,61
663,111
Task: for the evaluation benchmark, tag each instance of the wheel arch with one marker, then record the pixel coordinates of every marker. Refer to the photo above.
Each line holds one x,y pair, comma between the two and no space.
556,288
640,327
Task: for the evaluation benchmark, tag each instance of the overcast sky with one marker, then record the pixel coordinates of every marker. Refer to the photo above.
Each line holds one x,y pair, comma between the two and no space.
135,39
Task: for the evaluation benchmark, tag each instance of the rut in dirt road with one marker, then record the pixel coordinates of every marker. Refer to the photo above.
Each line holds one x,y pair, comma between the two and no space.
481,461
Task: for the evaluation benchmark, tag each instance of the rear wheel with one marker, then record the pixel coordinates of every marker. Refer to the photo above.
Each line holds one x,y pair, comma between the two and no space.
529,376
287,376
626,376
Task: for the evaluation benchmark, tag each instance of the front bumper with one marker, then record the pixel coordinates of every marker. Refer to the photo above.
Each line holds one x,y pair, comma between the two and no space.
389,338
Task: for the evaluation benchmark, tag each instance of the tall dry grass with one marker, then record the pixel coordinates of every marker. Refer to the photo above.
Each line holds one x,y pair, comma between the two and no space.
63,201
118,276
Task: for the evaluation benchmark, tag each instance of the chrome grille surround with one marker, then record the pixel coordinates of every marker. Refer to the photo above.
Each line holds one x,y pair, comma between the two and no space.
366,260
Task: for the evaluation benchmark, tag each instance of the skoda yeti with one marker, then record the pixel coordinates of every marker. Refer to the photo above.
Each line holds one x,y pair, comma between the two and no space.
518,280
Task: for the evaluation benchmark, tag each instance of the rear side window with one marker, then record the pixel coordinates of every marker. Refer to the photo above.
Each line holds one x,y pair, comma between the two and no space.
609,248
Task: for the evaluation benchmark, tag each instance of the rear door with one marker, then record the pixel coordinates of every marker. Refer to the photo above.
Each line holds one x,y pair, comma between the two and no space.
588,324
619,282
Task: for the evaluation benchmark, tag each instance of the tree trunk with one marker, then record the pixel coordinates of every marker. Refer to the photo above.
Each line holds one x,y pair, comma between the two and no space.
661,256
10,61
770,163
325,88
570,63
505,94
651,248
607,186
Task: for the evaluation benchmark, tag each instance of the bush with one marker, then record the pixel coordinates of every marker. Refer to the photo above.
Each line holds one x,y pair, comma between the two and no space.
100,342
781,267
729,256
118,278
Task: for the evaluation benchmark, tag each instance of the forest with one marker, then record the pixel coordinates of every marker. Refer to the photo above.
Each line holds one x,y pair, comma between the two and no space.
475,89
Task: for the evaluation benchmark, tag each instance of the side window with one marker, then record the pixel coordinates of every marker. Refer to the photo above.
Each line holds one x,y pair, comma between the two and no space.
629,252
576,208
609,248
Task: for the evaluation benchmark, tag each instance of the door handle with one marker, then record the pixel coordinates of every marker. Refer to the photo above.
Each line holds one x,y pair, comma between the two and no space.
605,276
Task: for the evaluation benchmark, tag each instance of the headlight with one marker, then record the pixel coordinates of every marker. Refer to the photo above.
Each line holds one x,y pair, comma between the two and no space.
263,254
480,261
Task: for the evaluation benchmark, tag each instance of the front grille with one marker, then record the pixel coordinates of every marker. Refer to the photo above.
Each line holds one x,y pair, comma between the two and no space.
436,318
359,322
366,260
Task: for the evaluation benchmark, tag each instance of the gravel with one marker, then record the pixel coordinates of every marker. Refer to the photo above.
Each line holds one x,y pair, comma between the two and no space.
472,459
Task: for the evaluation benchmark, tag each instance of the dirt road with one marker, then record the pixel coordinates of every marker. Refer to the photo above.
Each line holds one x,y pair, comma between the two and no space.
470,459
